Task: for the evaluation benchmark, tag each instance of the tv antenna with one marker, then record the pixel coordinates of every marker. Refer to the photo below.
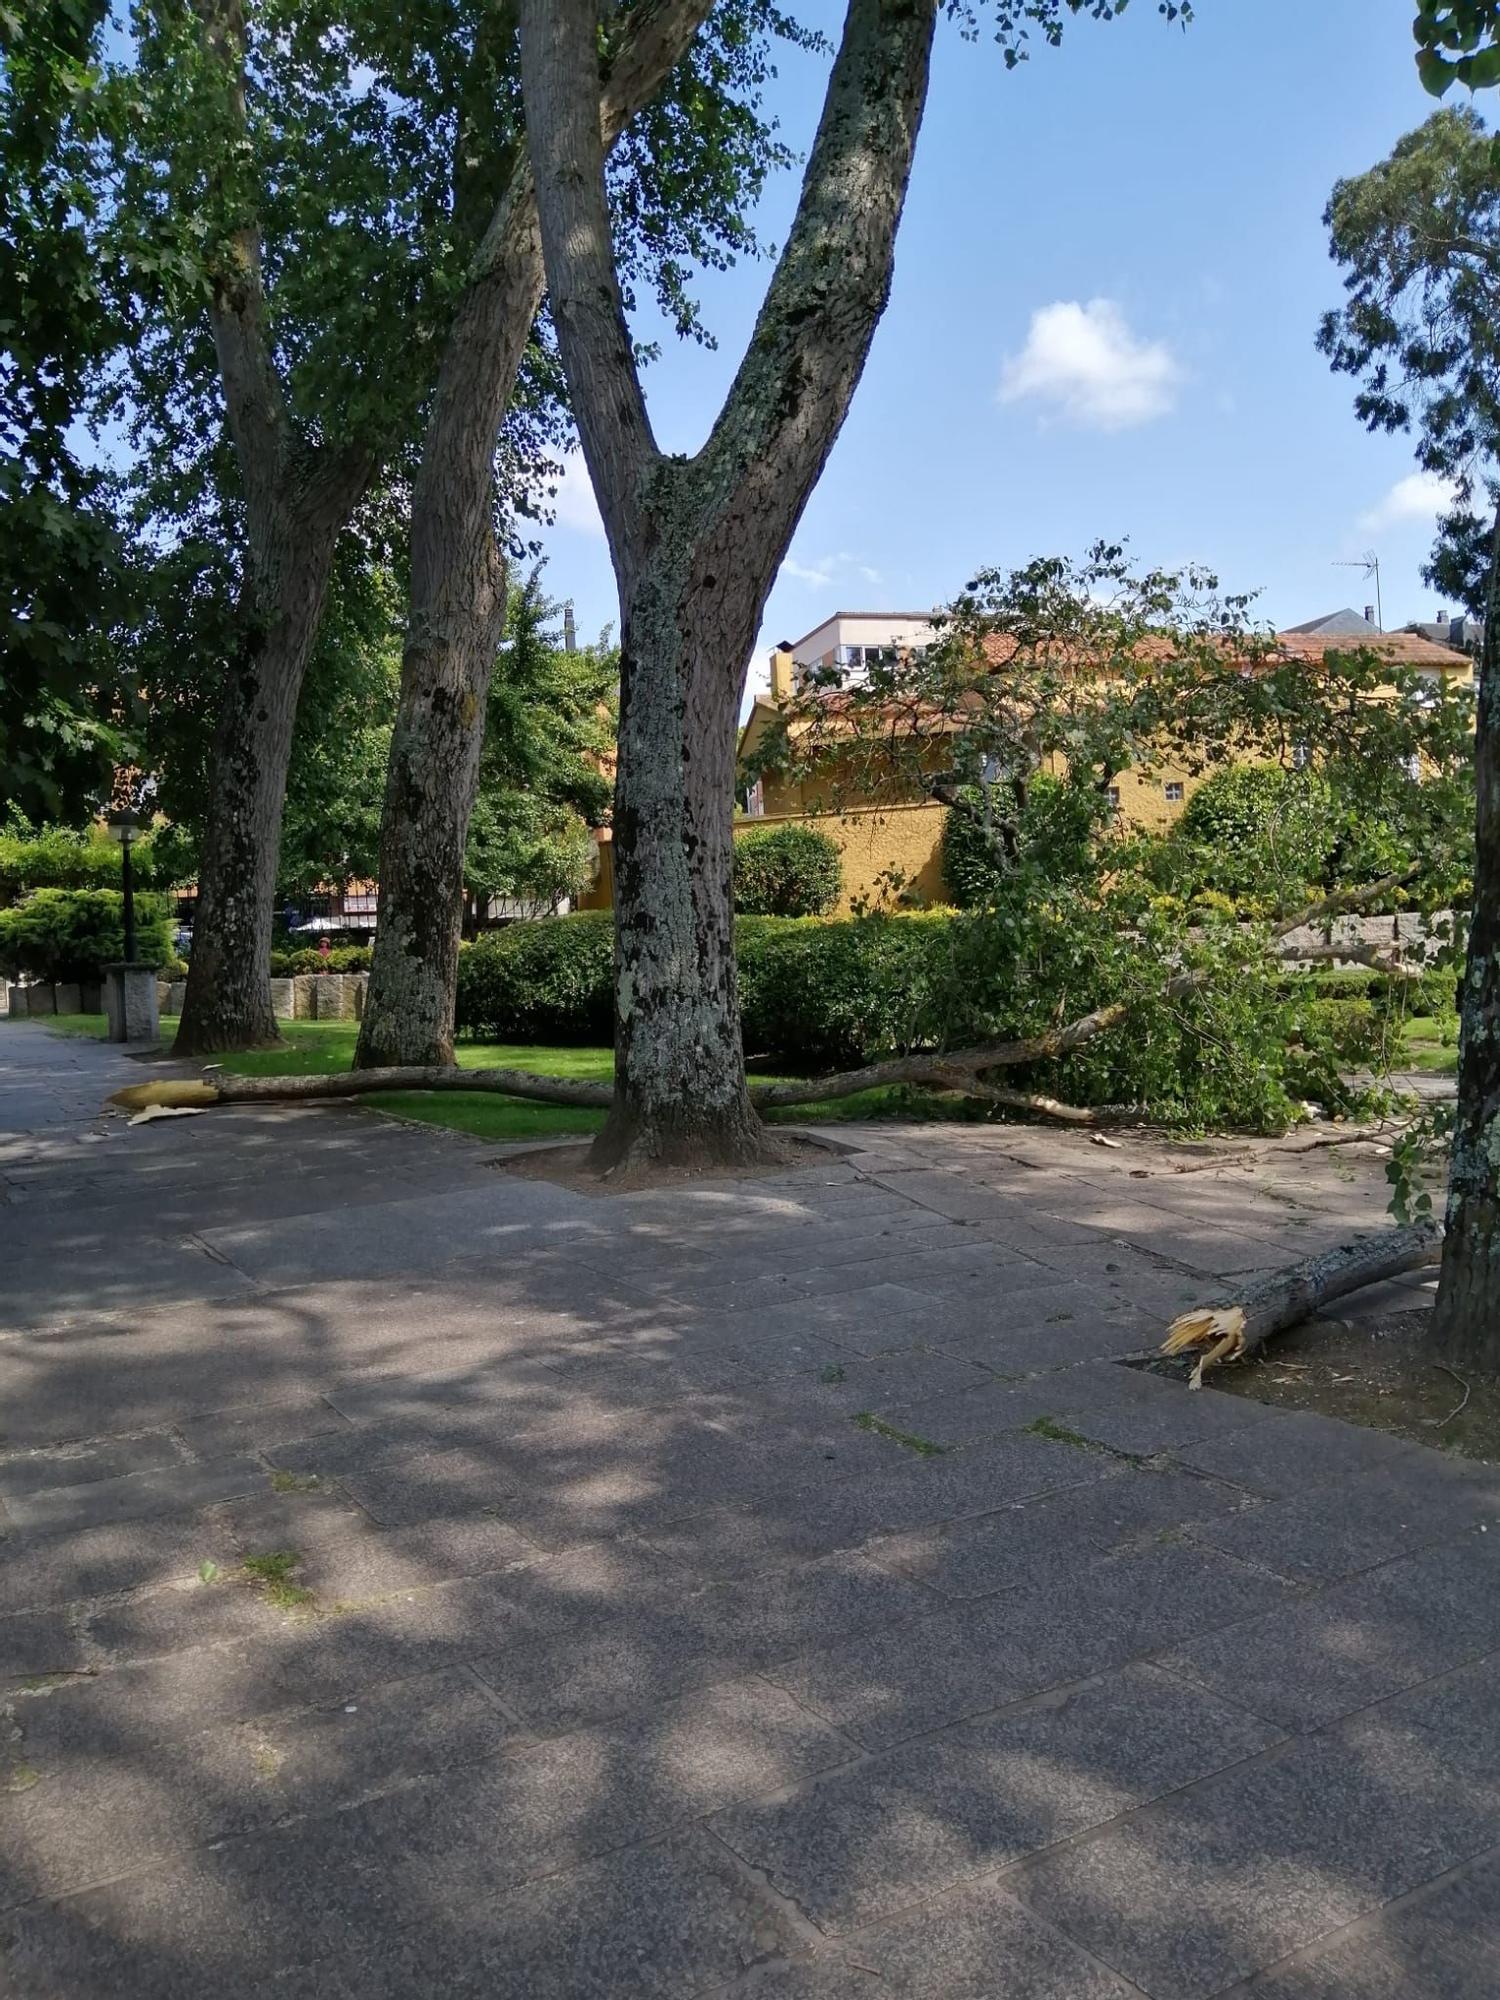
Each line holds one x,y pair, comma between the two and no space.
1369,563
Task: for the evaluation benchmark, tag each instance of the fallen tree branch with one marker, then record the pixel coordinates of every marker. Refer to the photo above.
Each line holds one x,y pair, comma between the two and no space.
947,1069
225,1089
1270,1305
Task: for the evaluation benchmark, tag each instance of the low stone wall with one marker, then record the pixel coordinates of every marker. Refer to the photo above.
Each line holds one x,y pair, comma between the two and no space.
311,996
37,1002
1410,934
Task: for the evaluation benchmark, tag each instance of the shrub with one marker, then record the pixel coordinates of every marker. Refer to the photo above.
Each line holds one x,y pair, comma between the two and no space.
56,858
828,995
823,994
307,958
786,871
1352,1032
71,934
550,979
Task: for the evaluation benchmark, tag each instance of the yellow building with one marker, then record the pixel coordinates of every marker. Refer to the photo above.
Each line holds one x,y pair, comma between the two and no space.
901,838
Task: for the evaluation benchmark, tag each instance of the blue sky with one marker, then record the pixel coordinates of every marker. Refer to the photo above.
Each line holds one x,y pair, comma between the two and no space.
1108,281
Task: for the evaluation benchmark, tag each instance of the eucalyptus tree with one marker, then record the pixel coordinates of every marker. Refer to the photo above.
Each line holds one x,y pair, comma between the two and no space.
1419,239
325,216
696,542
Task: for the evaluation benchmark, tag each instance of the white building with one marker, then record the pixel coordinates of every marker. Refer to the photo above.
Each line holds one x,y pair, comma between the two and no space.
849,641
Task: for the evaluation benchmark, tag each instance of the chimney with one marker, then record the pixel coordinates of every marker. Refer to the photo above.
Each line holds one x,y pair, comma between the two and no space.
570,630
1442,618
1369,614
781,673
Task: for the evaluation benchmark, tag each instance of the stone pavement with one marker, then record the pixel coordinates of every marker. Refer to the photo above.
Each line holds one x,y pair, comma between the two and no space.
769,1589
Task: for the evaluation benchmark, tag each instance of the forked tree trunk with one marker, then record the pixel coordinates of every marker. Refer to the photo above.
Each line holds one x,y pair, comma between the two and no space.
680,1090
227,1004
1466,1324
696,543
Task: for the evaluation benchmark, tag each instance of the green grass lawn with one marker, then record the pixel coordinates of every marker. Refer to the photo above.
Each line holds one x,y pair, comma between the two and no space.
1431,1043
322,1048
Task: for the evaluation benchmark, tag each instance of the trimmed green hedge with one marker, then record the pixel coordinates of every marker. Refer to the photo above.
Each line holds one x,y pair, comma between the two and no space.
827,994
65,935
814,991
786,871
342,958
547,980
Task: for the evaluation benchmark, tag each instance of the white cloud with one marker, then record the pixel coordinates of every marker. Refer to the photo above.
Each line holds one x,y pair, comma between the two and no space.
574,503
1085,360
1420,496
821,571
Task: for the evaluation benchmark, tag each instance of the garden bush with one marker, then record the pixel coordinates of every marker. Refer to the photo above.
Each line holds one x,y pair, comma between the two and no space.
66,935
786,871
827,994
56,858
305,958
550,979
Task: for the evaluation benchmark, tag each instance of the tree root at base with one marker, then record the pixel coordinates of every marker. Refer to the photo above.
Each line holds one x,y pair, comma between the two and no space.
1232,1331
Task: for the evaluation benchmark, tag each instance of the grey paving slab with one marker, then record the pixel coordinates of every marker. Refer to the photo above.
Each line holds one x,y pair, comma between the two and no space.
183,1489
1309,1662
96,1813
1334,1531
1298,1450
1442,1942
1269,1858
971,1943
23,1473
891,1683
1048,1538
97,1562
888,1832
272,1914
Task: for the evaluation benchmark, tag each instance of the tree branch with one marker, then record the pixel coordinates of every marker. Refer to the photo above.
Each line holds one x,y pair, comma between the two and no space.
793,388
560,81
253,399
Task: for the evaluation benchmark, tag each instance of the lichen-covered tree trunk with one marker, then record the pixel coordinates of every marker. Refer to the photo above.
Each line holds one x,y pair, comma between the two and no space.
454,629
227,1004
696,543
456,621
680,1092
1466,1326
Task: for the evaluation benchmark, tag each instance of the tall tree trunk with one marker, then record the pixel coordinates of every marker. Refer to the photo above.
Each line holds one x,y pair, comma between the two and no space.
1466,1326
227,1004
457,619
697,543
680,1090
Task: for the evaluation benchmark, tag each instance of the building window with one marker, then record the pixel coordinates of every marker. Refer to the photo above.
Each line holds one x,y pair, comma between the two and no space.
1174,793
755,801
1114,798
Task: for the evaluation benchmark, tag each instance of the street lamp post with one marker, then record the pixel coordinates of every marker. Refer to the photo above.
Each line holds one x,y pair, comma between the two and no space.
122,827
130,988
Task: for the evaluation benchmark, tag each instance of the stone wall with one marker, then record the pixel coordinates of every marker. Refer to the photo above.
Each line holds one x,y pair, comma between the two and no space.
311,996
1411,934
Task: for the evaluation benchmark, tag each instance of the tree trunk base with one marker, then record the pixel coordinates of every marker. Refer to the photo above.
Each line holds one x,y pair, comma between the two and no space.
632,1141
192,1042
1465,1331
